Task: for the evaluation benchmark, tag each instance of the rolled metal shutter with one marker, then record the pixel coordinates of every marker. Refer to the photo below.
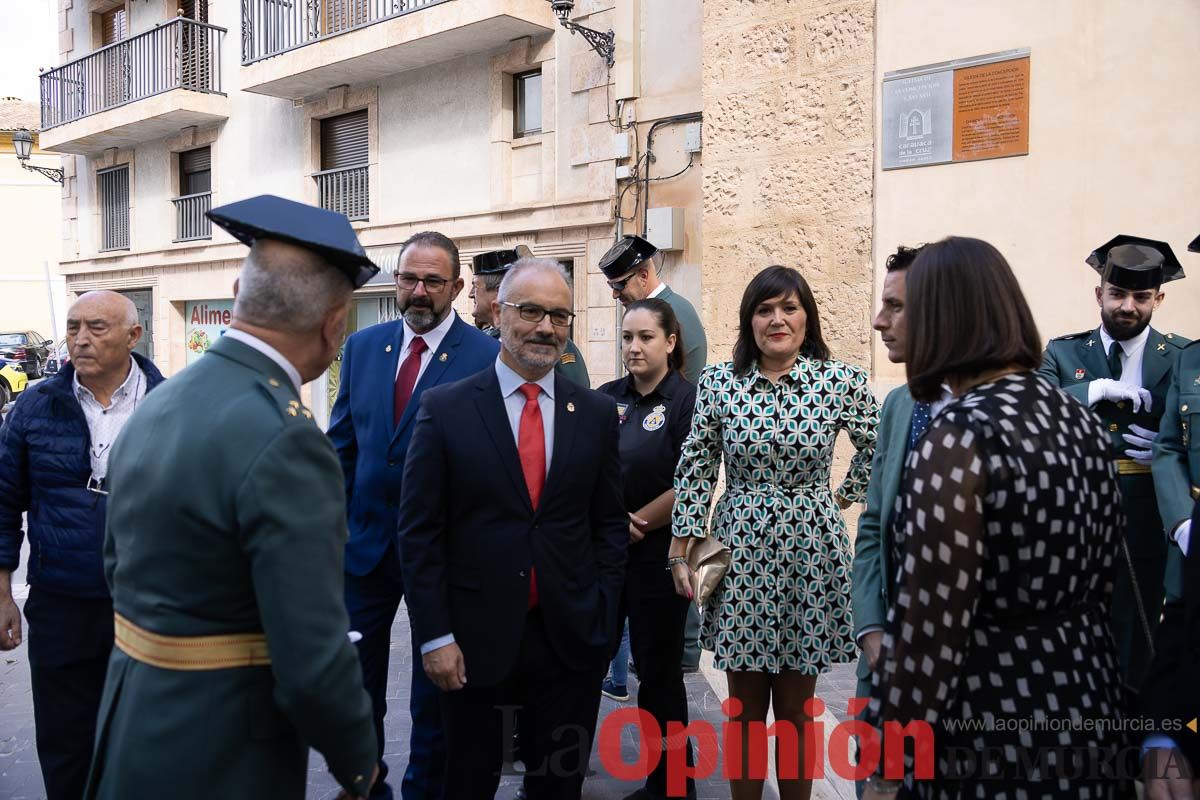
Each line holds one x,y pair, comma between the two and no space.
344,141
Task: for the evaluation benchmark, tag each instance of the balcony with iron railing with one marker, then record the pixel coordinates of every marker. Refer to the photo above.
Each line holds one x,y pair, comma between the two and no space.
299,48
135,90
346,191
191,222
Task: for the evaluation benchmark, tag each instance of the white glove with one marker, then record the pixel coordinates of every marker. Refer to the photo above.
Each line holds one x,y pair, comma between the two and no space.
1108,389
1183,534
1141,439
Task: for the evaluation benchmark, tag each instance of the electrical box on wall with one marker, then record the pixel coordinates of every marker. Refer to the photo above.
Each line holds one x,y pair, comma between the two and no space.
692,141
664,228
622,146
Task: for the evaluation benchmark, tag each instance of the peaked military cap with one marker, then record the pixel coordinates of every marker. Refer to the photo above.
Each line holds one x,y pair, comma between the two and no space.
625,256
1135,263
499,261
1194,247
327,233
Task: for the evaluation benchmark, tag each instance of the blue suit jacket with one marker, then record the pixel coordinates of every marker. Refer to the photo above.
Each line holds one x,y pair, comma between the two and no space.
371,449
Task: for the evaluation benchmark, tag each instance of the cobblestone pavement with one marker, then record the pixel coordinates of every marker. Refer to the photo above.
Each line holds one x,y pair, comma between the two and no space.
20,778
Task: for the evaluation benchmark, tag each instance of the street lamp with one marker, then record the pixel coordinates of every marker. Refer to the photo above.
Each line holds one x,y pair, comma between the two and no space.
603,43
23,145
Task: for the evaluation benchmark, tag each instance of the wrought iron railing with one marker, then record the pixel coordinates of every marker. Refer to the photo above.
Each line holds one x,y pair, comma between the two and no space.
345,190
271,27
180,54
190,220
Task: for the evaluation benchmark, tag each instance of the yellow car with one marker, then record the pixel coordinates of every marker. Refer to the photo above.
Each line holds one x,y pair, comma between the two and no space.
12,381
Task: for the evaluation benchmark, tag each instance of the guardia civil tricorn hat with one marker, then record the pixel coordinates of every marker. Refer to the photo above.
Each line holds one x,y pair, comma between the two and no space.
1194,247
327,233
498,261
625,256
1135,263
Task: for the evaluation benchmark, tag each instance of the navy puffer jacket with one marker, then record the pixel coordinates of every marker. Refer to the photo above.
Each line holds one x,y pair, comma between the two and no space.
44,468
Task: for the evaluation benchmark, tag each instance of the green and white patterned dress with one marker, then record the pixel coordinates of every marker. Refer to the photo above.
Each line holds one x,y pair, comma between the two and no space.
785,602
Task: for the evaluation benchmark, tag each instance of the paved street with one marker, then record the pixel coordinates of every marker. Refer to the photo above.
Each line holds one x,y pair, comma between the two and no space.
20,778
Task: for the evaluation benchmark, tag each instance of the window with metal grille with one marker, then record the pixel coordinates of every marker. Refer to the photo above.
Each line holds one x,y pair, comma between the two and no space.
195,171
342,182
114,208
527,105
195,195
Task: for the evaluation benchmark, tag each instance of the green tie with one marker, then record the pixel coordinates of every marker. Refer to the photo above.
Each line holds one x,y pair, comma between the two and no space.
1114,360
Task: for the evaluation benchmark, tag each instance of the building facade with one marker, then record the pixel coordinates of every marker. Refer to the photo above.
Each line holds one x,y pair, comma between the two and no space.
490,121
32,293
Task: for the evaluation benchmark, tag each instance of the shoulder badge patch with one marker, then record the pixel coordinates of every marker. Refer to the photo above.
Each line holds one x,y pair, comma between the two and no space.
1080,374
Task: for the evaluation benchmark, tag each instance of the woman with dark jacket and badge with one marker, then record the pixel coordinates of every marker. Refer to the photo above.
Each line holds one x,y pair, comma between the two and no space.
655,404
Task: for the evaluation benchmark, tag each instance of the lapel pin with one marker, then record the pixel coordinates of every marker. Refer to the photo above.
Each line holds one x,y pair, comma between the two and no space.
1091,342
273,382
570,407
1197,381
1080,374
1162,346
387,349
442,358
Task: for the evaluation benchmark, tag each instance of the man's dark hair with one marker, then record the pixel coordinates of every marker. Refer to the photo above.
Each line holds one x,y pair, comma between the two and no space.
434,239
668,323
902,258
966,315
776,281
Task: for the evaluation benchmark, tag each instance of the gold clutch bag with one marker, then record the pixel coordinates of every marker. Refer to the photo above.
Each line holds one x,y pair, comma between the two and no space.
708,560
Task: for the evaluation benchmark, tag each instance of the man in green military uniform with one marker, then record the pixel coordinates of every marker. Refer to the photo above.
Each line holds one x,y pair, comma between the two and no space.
632,275
488,270
1122,371
1177,449
223,550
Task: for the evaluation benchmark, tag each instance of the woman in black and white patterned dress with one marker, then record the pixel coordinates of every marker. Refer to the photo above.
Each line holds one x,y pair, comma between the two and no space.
1006,536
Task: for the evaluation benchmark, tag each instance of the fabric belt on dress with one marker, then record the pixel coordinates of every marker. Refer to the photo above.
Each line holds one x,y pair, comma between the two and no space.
190,653
771,489
1127,466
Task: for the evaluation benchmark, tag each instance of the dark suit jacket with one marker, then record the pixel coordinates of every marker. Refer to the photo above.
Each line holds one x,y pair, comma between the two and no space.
1172,693
370,447
468,533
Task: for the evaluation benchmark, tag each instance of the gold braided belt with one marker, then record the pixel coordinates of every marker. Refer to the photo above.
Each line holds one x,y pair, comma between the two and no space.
190,653
1127,466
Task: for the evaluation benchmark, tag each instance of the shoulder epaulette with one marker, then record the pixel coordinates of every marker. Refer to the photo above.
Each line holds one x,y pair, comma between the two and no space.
1176,340
289,407
1067,336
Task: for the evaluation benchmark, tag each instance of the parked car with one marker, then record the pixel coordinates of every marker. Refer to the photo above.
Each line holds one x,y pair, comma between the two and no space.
58,358
28,348
12,381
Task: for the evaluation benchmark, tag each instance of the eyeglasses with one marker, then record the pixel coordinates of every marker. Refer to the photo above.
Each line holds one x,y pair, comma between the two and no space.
433,284
535,314
619,286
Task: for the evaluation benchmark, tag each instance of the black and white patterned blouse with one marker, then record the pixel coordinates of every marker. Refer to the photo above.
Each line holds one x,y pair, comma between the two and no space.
1006,537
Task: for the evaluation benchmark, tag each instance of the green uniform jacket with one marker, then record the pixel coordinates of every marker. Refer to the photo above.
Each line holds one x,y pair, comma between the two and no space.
227,515
693,333
1177,450
873,572
570,364
1072,362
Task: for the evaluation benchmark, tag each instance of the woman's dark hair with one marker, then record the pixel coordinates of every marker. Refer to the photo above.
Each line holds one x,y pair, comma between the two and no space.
966,315
776,281
669,323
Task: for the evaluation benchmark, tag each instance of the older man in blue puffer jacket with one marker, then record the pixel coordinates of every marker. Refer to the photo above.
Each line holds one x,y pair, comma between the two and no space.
53,460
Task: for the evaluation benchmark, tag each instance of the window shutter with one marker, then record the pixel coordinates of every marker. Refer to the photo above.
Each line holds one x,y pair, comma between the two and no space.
198,160
344,141
112,26
114,208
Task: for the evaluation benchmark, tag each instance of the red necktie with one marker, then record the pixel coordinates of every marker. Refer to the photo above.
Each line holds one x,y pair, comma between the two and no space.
531,444
406,378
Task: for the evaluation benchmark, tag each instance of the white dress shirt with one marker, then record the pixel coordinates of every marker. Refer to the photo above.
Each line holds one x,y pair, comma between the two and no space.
433,340
1131,363
105,422
250,340
514,404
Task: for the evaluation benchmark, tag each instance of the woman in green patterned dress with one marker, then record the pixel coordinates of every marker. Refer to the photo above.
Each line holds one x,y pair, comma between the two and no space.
772,415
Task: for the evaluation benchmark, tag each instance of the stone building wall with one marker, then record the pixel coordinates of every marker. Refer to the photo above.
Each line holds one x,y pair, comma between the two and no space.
788,159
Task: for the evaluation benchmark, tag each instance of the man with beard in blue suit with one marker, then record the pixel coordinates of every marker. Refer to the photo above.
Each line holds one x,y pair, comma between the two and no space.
385,370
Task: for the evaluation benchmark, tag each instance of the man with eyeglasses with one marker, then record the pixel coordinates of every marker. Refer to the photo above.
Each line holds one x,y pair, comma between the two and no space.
629,266
53,465
489,269
385,370
513,595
